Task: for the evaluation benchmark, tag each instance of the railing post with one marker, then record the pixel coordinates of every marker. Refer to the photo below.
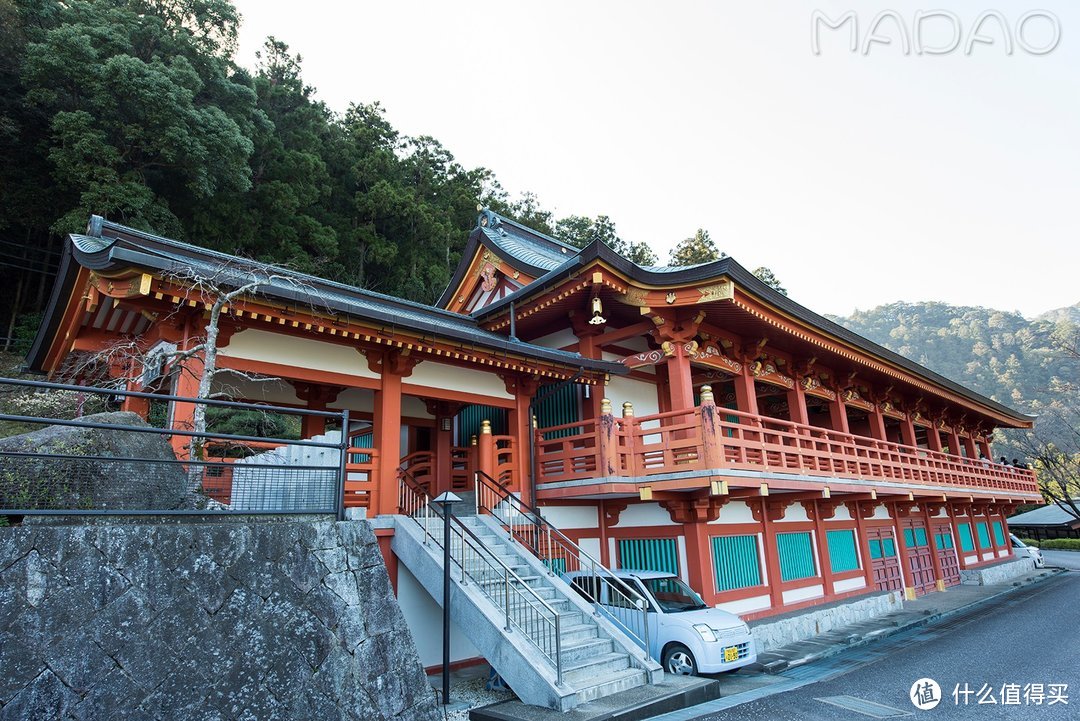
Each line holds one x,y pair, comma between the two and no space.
711,444
343,469
608,442
486,450
628,436
506,596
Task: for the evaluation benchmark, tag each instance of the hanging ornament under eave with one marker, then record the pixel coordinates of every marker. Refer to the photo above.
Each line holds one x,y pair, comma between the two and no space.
597,310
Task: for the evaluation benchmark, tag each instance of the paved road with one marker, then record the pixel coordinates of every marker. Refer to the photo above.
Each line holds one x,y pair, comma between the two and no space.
1031,636
1062,559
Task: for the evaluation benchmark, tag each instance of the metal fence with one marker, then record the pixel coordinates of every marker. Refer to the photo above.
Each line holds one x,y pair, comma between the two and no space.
106,463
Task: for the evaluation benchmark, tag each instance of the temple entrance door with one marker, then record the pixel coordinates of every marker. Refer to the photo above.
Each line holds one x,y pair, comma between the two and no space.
946,551
920,563
883,559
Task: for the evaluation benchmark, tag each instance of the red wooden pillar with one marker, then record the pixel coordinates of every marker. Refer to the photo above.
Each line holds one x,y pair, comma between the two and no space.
902,555
486,449
990,531
877,424
838,415
969,446
388,441
183,414
441,446
698,560
608,441
138,406
907,431
796,400
521,427
680,385
823,548
984,446
1005,530
933,438
588,348
772,557
745,391
951,511
954,443
855,510
935,561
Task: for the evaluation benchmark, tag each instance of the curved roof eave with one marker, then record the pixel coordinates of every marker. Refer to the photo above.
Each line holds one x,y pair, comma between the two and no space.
746,280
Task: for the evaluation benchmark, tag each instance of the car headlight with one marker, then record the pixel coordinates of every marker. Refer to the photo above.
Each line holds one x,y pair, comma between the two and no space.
705,632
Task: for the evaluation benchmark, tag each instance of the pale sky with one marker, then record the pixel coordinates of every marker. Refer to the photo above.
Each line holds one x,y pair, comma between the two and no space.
860,179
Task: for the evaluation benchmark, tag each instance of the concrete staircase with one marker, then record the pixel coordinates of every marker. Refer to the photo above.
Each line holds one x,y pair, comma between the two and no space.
596,659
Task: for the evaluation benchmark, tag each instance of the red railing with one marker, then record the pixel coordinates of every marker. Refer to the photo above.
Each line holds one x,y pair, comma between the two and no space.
360,469
679,441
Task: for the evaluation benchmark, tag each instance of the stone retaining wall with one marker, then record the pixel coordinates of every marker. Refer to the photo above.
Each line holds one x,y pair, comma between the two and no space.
774,633
204,621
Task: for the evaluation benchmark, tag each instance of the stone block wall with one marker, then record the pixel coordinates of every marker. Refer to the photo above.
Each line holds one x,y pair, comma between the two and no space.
998,573
261,620
801,625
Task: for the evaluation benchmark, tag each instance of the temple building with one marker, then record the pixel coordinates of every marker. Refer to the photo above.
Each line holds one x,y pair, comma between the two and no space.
683,419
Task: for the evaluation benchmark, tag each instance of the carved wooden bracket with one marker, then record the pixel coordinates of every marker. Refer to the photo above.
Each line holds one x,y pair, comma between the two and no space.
520,384
776,509
612,509
827,508
903,508
399,363
933,508
317,393
861,509
695,510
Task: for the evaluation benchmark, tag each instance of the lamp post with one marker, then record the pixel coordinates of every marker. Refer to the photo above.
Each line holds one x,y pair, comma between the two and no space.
447,500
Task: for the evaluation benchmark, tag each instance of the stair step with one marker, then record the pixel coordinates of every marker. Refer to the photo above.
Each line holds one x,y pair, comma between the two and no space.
590,648
612,684
577,633
595,667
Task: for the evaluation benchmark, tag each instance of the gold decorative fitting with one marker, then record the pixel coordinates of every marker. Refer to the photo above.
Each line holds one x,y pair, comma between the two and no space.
472,441
605,407
485,427
707,394
645,493
628,410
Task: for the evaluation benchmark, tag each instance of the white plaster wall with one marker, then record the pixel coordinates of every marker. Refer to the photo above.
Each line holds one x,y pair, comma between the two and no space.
1003,552
414,407
591,546
803,594
571,516
971,559
276,391
290,350
795,512
746,605
361,400
849,584
988,555
942,513
558,339
734,512
680,546
644,514
641,393
881,512
842,514
463,380
424,618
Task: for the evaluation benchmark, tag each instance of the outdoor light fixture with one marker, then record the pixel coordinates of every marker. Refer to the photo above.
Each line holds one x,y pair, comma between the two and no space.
597,310
445,423
447,501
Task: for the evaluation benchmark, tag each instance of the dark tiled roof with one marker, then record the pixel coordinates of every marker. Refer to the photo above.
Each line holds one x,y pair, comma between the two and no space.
1048,515
118,246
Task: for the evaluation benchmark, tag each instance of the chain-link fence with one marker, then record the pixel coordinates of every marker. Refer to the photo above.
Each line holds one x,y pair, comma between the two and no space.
115,462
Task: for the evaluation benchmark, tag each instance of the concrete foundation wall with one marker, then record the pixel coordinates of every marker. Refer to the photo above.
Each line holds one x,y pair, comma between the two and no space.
773,633
998,573
260,620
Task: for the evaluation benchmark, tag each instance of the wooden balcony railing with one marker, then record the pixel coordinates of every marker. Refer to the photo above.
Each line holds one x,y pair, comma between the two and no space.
709,437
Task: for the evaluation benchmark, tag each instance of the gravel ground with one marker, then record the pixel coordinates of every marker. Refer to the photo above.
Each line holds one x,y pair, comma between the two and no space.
468,690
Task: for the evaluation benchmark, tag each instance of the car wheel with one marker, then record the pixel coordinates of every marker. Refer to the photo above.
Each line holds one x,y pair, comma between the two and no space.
679,661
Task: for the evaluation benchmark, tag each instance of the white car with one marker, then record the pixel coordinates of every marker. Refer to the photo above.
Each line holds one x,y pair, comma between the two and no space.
687,636
1021,549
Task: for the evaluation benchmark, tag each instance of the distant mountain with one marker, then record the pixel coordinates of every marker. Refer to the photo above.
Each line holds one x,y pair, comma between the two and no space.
997,353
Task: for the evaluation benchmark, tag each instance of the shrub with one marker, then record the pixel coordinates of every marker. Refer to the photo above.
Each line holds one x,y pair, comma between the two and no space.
1062,544
1029,542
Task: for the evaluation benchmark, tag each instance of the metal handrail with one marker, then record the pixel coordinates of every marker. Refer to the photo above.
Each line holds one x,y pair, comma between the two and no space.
625,606
538,627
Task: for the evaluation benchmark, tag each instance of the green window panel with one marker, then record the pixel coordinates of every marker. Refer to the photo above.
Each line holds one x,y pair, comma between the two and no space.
999,534
736,562
559,408
984,534
842,554
967,543
364,440
914,537
875,549
943,540
796,556
469,419
888,547
558,565
909,537
920,536
649,554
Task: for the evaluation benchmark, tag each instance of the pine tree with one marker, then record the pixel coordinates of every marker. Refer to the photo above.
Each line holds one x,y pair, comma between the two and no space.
699,248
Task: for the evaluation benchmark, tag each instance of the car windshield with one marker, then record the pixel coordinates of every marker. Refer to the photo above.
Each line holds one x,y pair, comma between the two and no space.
673,595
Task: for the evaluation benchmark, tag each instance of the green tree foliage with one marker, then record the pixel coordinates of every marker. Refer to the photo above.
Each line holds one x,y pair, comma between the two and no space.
698,248
766,276
579,231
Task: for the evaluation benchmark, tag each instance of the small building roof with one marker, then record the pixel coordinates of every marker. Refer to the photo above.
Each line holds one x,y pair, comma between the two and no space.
1047,516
